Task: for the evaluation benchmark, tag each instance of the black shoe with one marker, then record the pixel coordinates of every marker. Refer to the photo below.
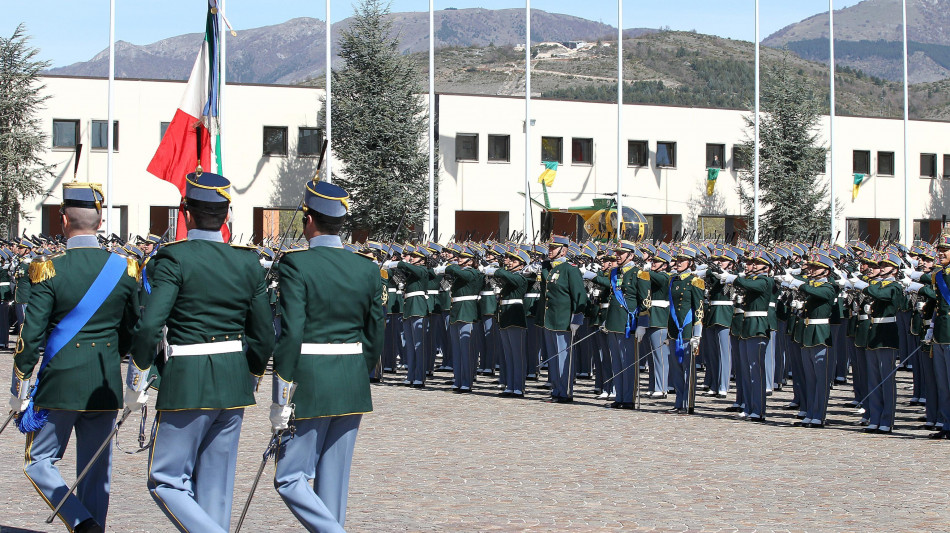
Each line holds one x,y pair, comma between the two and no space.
464,391
614,405
733,409
505,394
88,526
516,395
374,380
790,406
455,389
418,385
563,400
939,435
628,405
816,425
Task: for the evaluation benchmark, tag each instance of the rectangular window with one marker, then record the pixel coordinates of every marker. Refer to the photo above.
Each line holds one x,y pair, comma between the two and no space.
275,140
100,134
885,163
552,149
741,157
466,147
582,151
928,165
666,154
499,148
309,142
65,133
162,129
638,153
716,156
946,165
861,162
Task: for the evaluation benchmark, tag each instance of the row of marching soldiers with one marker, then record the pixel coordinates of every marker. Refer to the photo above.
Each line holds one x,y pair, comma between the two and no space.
791,314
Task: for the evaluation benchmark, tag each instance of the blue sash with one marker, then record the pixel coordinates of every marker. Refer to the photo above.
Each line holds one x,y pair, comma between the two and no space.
942,285
618,294
680,345
71,324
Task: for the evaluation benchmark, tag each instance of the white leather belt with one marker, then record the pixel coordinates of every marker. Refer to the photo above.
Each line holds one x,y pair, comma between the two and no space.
862,317
487,293
721,302
661,303
465,298
511,302
604,306
433,292
771,304
392,290
413,294
206,348
740,311
4,283
533,295
349,348
885,320
816,321
756,314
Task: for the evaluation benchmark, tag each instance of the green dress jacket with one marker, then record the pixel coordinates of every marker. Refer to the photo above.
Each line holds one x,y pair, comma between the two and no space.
511,300
658,290
22,286
330,296
562,295
941,316
85,375
686,294
820,298
757,298
467,283
720,307
616,316
415,294
206,292
888,299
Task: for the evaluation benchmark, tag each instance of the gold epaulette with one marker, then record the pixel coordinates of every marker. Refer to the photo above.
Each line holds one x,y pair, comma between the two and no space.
699,283
886,283
41,269
173,242
296,250
644,274
384,274
244,247
134,270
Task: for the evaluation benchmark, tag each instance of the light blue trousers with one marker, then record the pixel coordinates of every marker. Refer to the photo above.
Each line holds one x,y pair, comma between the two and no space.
192,464
44,448
719,363
321,452
817,368
512,343
942,375
657,341
626,369
560,372
882,386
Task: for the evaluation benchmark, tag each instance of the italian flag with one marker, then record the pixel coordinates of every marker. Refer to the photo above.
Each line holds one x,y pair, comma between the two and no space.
196,122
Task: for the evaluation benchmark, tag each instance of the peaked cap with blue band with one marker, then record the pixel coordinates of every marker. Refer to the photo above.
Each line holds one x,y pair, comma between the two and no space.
85,195
208,187
326,199
560,240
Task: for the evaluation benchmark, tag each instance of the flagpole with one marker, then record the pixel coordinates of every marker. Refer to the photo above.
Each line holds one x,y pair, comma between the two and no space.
223,40
110,127
431,224
527,122
619,119
329,175
908,223
755,149
831,116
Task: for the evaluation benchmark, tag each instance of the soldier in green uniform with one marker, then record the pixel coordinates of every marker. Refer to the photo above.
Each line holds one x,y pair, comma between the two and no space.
6,295
939,334
333,331
212,298
467,282
511,320
626,294
21,278
655,318
686,323
415,308
717,321
818,296
926,297
563,299
84,304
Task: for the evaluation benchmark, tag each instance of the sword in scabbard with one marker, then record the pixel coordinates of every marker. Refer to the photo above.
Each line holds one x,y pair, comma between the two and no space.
275,441
7,421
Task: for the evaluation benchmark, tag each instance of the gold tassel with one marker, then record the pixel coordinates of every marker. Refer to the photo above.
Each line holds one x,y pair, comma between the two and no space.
41,269
133,269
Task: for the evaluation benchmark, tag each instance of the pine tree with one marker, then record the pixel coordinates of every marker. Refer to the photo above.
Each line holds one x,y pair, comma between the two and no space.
379,128
22,142
793,200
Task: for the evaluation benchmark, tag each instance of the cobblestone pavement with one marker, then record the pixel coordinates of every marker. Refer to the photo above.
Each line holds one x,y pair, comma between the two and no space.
430,460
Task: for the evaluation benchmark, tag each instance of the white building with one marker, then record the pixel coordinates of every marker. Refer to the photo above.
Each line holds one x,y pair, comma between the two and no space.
270,138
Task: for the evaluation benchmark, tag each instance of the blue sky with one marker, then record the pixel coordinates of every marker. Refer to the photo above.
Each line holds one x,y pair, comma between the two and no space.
68,31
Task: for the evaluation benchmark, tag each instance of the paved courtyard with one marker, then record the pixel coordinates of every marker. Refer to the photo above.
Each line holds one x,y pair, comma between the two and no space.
430,460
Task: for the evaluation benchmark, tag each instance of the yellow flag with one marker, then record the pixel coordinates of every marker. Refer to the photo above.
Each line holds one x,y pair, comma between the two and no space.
858,179
550,170
712,174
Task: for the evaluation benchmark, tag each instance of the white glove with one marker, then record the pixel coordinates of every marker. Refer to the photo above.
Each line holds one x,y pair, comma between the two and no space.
842,282
574,328
929,336
915,275
489,270
439,270
700,272
793,271
795,283
727,278
589,274
17,404
640,333
280,416
390,264
858,284
134,400
694,343
647,267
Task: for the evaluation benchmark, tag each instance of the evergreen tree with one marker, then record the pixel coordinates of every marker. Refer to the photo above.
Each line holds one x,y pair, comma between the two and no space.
793,200
379,128
22,142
